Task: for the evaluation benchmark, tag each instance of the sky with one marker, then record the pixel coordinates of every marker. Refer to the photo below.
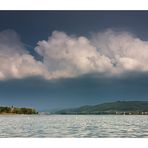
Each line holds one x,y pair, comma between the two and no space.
63,59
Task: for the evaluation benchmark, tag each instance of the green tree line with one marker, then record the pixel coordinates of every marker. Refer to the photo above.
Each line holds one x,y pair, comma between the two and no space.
15,110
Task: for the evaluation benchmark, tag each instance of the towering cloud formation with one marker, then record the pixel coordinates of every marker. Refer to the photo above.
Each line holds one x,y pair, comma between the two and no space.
109,52
68,56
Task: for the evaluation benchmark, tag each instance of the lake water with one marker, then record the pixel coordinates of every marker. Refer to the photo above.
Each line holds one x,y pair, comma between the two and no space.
53,126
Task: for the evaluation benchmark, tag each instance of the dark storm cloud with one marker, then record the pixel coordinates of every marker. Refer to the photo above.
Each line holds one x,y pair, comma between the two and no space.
86,89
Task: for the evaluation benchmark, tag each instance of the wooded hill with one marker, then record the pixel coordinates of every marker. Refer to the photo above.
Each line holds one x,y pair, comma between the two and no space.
119,107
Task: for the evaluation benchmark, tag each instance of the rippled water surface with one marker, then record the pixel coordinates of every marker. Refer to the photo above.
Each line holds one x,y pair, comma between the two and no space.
73,126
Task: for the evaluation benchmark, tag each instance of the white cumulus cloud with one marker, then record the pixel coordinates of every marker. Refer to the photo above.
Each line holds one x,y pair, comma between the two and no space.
15,61
109,52
68,56
127,52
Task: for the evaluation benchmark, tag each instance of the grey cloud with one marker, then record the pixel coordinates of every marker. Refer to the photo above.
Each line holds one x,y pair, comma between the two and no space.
77,91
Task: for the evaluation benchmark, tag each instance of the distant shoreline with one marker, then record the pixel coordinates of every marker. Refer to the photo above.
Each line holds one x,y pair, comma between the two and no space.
100,114
110,108
15,114
17,111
